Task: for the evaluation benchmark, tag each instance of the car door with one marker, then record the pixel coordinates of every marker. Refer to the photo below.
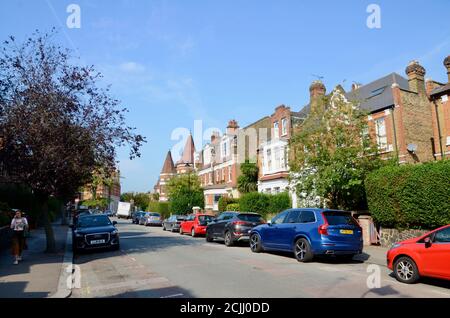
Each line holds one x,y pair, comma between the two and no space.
285,235
220,224
270,235
169,223
436,258
187,224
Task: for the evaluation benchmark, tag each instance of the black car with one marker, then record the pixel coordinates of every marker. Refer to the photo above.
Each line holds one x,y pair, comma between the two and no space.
136,216
232,227
93,232
173,223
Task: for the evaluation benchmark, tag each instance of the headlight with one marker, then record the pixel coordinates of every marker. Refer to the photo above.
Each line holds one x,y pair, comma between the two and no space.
78,235
115,232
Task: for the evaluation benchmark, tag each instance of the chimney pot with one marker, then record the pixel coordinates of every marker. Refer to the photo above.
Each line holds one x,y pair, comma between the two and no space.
416,77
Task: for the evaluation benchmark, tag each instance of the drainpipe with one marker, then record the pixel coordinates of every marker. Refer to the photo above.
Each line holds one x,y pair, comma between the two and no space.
395,130
439,130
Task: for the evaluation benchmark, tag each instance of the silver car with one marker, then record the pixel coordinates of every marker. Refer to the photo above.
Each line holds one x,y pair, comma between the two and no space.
151,218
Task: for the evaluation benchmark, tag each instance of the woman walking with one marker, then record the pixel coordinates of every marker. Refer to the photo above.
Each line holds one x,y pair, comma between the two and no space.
18,224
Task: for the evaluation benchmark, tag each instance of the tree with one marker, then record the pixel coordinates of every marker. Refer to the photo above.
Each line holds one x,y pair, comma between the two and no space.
332,154
57,123
185,192
140,200
248,180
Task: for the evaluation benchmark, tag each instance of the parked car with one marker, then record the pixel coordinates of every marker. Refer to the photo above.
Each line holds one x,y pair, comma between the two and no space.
93,232
309,232
151,218
233,227
427,255
173,223
136,216
195,224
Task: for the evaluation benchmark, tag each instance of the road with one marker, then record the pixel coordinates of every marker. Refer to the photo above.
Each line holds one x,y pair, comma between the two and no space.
158,264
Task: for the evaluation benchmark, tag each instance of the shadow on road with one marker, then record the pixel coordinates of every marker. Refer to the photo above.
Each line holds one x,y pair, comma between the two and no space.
167,292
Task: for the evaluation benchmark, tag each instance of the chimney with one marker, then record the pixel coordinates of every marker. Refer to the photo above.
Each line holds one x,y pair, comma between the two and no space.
317,91
215,135
355,86
416,77
447,66
232,127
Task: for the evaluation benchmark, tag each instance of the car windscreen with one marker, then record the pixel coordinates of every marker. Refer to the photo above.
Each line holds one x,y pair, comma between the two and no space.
154,214
94,221
181,218
340,218
250,217
205,218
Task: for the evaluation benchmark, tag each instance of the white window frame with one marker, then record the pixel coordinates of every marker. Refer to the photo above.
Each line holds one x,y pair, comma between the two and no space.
276,130
230,175
284,126
381,139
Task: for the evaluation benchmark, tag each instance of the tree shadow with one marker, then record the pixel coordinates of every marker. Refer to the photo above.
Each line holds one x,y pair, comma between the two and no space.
166,293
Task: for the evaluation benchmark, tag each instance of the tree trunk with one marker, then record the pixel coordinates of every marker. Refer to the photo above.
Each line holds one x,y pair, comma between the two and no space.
50,235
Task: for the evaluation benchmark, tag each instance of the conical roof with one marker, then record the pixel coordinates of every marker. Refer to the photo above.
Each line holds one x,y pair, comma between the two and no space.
168,166
188,152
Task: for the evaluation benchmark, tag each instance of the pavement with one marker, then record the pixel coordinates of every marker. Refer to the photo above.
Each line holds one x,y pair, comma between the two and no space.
158,264
38,275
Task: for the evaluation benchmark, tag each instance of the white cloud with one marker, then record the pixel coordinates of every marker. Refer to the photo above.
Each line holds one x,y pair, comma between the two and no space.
132,67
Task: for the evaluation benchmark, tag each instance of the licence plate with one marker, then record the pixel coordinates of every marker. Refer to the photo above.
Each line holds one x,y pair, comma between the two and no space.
346,231
98,242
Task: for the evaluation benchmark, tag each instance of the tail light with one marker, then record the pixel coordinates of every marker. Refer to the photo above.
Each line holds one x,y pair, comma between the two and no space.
239,223
323,229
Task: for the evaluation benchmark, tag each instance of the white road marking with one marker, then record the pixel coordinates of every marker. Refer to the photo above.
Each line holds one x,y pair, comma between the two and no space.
171,296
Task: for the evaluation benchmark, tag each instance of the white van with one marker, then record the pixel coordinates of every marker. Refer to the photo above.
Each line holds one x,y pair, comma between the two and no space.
124,210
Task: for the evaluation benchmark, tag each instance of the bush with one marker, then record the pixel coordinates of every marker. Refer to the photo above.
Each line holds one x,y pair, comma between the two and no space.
225,201
265,204
410,196
233,207
162,208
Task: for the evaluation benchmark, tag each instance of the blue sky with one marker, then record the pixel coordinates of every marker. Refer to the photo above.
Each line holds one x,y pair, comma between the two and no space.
172,62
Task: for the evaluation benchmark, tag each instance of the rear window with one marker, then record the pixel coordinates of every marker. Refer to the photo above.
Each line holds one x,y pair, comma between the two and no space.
203,218
340,218
154,214
250,217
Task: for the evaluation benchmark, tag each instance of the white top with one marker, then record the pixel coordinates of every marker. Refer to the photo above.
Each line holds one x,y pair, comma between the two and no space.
19,224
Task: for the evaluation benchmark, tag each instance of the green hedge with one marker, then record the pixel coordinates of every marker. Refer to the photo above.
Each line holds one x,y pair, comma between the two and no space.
410,196
225,201
233,207
264,204
162,208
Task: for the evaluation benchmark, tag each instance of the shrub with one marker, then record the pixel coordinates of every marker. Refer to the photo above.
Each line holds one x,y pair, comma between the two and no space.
410,196
233,207
279,202
162,208
225,201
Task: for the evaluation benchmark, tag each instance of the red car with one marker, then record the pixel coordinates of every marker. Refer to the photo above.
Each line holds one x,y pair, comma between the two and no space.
428,255
195,224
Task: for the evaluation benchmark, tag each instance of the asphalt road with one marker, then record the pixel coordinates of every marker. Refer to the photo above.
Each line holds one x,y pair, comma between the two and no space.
154,263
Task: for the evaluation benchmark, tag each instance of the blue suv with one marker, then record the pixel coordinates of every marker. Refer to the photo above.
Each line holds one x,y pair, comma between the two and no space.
309,232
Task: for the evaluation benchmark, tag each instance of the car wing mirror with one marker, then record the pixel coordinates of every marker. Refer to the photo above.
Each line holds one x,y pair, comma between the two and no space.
427,242
269,222
114,223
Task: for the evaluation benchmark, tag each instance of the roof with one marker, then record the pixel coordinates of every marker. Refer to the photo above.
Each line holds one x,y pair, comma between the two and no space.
440,90
374,96
168,166
188,152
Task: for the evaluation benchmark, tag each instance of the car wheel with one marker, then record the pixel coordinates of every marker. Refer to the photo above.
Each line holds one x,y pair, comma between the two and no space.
228,239
209,238
405,270
193,233
302,251
181,231
255,243
164,227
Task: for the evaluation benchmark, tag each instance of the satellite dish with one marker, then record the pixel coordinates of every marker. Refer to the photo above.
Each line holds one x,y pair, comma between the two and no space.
412,148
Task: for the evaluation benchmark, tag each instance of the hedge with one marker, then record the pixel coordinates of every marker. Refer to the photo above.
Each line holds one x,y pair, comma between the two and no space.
410,196
233,207
224,202
162,208
263,203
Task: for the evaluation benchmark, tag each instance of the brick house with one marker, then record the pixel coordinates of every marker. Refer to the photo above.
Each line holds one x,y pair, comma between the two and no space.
218,167
273,153
168,171
439,94
105,191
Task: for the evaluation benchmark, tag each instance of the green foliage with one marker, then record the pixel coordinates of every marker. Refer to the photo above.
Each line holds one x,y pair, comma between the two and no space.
4,214
185,192
162,208
233,207
98,203
17,196
410,196
140,199
263,203
224,202
248,180
332,155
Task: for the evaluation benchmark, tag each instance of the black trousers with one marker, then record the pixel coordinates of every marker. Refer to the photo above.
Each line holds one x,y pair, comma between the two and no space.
18,242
